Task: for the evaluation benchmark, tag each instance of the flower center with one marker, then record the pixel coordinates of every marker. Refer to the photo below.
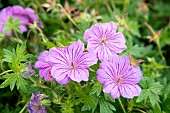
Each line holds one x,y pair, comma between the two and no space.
118,79
49,72
103,41
72,65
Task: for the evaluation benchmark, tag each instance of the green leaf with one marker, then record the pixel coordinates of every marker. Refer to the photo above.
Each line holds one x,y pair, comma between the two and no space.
151,90
12,84
7,55
49,44
153,99
67,107
21,83
96,89
143,96
108,97
106,107
20,52
89,102
13,24
10,80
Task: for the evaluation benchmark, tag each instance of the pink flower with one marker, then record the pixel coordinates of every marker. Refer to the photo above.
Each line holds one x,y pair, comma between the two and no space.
26,16
103,40
44,65
71,63
119,77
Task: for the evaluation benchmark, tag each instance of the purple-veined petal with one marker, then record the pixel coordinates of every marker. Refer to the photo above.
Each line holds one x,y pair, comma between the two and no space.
102,76
87,59
40,64
115,92
59,73
65,80
75,50
109,28
129,91
57,56
44,72
108,86
43,56
79,75
133,75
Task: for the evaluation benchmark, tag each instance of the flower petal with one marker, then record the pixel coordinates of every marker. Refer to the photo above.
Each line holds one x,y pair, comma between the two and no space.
109,28
121,64
75,50
44,72
43,56
65,80
57,56
102,76
115,92
59,73
79,75
40,64
23,28
87,59
133,75
129,90
108,86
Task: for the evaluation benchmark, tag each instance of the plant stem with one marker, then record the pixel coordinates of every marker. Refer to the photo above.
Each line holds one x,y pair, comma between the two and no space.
140,110
51,109
5,72
32,80
160,51
42,35
108,7
68,88
59,5
22,110
113,5
121,105
16,34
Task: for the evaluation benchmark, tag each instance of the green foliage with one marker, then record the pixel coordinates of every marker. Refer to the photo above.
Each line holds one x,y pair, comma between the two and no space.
150,90
60,30
15,59
13,24
96,89
105,106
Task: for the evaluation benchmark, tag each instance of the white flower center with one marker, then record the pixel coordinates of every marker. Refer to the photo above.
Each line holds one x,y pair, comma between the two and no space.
103,41
118,79
72,65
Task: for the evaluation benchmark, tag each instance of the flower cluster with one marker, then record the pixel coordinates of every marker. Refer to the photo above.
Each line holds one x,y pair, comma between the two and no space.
103,43
35,106
65,64
103,40
119,77
26,16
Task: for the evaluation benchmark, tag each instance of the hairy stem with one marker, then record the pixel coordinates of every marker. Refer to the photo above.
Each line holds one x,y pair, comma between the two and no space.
59,5
22,110
121,105
5,72
160,51
16,34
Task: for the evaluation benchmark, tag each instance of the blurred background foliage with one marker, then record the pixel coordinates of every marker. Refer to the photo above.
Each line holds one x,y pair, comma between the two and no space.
144,23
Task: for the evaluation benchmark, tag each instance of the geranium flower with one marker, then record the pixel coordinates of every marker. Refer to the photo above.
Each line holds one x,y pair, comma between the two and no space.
34,106
71,63
44,65
103,40
26,16
119,77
